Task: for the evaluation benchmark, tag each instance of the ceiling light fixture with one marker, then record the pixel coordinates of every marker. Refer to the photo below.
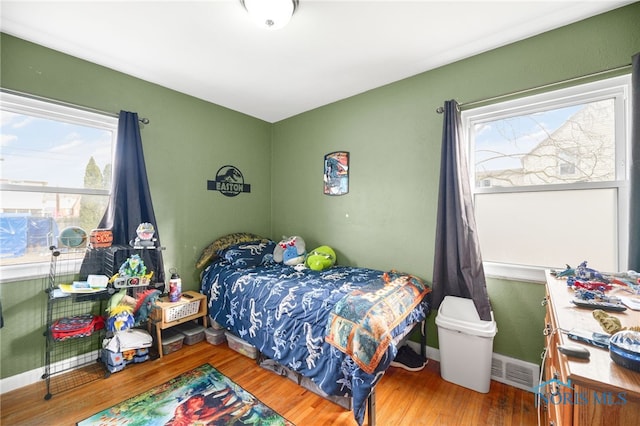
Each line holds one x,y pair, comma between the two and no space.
271,14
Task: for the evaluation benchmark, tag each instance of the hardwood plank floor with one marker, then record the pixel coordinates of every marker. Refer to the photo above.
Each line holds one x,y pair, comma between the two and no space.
402,397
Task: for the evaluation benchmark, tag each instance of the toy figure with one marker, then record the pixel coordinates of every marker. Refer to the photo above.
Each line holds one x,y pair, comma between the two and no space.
133,267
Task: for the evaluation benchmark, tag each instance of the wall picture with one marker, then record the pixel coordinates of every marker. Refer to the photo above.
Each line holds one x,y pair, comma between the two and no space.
336,173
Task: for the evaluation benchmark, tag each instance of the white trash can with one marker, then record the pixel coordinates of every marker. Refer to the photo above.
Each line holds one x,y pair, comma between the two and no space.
466,344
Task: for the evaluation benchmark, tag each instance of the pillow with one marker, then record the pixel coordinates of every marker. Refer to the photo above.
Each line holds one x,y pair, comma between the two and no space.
249,254
211,252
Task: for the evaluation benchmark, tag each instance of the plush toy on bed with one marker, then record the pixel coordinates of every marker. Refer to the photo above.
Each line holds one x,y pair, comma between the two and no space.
290,251
321,258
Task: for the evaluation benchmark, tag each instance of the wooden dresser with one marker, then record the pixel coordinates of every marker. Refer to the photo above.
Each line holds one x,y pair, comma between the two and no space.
589,392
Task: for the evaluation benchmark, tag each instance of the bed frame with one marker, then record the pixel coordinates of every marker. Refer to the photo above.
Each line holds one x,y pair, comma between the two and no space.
241,255
342,401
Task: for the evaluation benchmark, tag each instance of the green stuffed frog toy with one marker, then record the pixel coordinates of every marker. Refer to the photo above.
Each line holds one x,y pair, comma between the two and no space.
321,258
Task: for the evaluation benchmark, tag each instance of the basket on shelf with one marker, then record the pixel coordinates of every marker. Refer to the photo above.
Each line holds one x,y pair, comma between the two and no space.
174,313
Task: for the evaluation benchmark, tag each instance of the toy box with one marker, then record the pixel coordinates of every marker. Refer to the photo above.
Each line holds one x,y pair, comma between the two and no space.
116,361
240,346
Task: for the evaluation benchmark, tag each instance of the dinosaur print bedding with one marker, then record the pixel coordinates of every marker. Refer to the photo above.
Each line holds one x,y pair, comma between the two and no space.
291,317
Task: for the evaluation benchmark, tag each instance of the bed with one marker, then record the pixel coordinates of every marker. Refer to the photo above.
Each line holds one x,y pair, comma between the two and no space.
338,328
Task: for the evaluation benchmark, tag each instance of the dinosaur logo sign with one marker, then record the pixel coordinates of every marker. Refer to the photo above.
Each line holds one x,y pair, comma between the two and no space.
229,181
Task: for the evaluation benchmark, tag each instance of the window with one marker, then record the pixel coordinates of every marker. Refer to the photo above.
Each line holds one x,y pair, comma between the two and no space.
56,173
549,176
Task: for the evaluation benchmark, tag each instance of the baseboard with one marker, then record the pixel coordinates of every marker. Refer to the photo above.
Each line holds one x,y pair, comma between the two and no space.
27,378
432,353
510,371
9,384
504,369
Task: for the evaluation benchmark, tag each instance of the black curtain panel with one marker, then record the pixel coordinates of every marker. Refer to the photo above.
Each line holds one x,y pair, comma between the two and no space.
457,267
634,177
130,203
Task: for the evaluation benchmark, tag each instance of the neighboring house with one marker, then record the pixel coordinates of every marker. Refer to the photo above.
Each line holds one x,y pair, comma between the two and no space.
581,150
31,203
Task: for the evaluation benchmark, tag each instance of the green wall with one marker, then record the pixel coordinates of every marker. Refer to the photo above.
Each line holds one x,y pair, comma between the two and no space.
185,144
393,134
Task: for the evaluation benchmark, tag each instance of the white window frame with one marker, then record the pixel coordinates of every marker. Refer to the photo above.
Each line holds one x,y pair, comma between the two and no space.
34,106
617,88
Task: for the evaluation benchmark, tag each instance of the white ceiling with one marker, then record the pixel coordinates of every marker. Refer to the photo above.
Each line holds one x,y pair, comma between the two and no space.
330,50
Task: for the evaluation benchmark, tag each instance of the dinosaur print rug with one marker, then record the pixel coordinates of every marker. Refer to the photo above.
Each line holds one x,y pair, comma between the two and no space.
202,396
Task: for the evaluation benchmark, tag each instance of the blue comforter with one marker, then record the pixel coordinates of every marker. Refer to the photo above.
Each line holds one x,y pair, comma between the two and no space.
286,313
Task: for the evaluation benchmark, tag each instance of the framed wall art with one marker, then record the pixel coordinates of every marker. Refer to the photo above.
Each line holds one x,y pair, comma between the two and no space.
336,173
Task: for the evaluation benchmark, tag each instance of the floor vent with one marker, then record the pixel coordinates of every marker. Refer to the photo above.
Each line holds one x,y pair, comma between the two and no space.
514,372
497,368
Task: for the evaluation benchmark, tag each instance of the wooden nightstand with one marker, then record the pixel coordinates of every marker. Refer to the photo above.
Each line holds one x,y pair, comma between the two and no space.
192,305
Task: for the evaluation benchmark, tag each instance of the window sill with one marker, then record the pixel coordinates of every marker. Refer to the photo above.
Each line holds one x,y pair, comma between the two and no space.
23,272
34,271
508,271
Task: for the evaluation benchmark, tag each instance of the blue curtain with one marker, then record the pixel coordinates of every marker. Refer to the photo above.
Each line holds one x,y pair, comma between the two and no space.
130,203
457,267
634,178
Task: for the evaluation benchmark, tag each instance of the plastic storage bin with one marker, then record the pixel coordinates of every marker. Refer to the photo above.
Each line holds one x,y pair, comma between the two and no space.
171,341
193,333
213,336
215,325
466,344
240,346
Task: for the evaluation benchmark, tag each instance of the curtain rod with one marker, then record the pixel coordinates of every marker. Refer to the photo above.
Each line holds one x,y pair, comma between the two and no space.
440,109
143,120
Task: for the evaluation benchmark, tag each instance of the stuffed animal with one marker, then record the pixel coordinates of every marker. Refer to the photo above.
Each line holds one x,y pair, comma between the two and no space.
120,318
144,304
121,298
321,258
290,251
125,312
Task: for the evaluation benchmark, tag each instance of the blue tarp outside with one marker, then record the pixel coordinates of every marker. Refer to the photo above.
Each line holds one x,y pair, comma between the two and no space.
41,232
13,236
19,232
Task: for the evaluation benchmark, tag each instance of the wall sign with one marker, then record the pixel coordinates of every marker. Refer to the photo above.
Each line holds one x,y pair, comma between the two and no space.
229,181
336,173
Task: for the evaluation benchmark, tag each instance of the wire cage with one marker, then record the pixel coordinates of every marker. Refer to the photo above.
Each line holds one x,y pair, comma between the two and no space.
74,330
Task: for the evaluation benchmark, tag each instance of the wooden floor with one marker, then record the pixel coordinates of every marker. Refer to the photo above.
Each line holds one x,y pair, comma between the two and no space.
402,397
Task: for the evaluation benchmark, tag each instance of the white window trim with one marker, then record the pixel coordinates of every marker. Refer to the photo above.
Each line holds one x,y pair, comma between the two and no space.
24,104
618,87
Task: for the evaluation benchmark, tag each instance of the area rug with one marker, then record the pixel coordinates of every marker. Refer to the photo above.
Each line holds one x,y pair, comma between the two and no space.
202,396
